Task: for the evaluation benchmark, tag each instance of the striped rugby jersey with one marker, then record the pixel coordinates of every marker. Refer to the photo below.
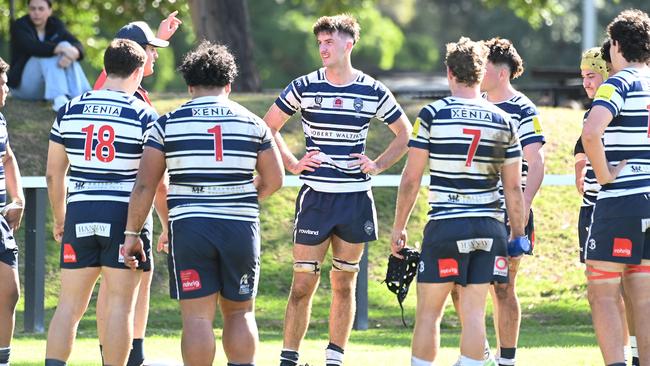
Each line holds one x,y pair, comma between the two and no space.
335,121
103,132
468,140
211,145
627,96
590,186
525,117
4,141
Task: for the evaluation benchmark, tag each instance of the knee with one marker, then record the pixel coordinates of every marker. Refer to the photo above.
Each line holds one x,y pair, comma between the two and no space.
504,292
11,299
302,290
474,317
238,310
342,287
429,317
598,298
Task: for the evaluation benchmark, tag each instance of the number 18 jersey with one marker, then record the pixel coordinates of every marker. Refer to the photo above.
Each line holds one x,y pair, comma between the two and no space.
103,133
468,140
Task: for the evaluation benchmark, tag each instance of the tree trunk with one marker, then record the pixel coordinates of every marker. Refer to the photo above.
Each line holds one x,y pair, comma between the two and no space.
226,22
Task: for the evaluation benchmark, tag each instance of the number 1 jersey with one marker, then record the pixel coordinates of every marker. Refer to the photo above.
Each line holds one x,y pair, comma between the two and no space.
103,132
211,145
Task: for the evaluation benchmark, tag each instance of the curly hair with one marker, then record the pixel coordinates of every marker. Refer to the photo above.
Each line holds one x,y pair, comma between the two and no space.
604,49
466,59
4,67
123,57
209,65
503,52
631,30
342,23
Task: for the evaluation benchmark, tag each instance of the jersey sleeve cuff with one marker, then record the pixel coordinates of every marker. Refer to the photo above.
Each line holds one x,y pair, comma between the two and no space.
532,140
283,107
608,105
418,145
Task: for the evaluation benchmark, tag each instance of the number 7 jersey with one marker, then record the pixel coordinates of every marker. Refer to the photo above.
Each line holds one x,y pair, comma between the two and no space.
103,132
468,141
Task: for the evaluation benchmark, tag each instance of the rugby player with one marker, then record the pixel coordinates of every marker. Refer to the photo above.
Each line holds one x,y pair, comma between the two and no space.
335,206
211,146
466,143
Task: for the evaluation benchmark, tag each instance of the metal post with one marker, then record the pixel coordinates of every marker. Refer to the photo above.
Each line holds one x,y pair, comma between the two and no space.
589,20
361,292
12,11
35,206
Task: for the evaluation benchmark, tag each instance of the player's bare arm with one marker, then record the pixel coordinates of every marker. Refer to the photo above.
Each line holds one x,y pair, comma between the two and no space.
511,179
592,133
534,155
151,170
270,173
14,189
406,196
580,167
168,26
396,149
275,118
57,166
160,204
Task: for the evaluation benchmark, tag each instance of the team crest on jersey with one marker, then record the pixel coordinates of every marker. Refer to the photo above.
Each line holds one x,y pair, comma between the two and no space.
358,104
368,227
318,102
338,102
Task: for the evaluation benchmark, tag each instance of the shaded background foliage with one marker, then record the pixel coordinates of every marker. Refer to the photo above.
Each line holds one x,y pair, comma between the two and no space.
405,35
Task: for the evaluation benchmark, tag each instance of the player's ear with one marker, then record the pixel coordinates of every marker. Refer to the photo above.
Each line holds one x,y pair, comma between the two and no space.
349,45
227,88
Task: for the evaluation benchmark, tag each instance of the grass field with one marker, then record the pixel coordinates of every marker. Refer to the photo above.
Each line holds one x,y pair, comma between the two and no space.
556,320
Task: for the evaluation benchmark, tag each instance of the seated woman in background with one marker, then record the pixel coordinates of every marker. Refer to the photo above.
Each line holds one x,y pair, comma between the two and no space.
44,58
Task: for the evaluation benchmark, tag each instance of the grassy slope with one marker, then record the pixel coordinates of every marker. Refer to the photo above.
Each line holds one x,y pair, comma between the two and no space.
551,284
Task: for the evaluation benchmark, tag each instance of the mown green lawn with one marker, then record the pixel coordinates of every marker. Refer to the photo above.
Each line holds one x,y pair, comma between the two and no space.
556,320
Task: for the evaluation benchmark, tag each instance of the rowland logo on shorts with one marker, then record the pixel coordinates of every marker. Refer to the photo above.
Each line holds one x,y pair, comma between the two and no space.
622,247
245,286
190,280
93,228
69,255
447,267
308,232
